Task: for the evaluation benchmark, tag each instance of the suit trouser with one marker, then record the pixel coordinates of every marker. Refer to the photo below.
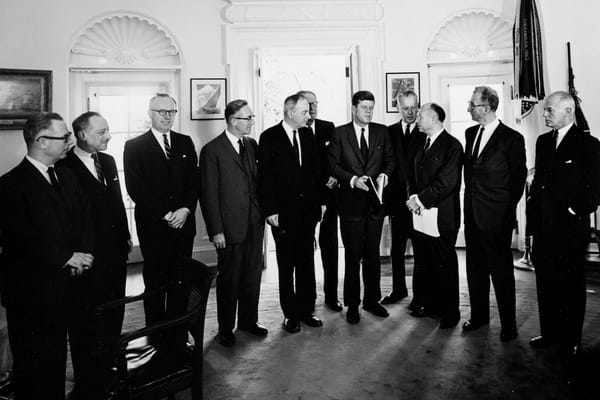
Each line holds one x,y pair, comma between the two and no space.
560,280
400,235
37,333
93,338
489,254
295,259
438,273
361,242
238,281
328,243
161,248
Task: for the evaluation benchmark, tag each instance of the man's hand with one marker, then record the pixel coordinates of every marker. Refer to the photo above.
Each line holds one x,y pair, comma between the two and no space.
382,181
331,183
79,263
361,183
178,218
323,209
273,220
413,206
219,241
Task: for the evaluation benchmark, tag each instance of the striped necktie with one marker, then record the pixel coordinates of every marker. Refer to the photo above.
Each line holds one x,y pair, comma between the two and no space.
167,145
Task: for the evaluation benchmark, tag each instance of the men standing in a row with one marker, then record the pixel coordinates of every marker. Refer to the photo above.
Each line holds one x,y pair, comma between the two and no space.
98,177
290,196
229,202
161,178
403,134
48,237
328,237
361,158
433,179
565,190
495,173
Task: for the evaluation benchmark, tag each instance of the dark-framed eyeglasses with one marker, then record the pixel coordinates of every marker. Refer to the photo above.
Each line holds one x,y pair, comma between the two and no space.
248,118
163,113
65,138
473,105
313,103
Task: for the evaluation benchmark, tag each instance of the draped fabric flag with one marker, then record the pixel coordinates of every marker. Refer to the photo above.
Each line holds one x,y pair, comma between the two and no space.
579,117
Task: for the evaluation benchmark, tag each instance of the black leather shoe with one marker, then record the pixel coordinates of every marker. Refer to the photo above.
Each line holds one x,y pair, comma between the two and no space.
472,325
447,323
334,305
255,329
226,339
540,342
352,315
312,321
419,312
376,309
394,297
291,325
506,335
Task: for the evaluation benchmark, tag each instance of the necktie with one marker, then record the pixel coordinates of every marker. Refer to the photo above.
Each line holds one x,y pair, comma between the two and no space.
167,145
555,138
364,149
296,147
53,180
427,144
98,168
477,143
407,132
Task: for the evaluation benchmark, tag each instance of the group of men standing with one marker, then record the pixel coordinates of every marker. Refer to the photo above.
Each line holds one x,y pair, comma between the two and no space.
66,239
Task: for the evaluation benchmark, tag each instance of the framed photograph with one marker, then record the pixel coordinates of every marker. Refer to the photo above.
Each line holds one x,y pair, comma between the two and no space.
23,93
208,98
398,82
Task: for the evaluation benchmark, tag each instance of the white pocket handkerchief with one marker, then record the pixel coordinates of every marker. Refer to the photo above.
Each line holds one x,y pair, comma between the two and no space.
569,162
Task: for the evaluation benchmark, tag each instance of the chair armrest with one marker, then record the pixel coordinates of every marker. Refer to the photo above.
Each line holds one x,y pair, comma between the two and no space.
130,299
138,333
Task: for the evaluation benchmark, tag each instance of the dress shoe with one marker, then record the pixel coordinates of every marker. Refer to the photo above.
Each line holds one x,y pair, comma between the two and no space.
506,335
413,304
352,315
226,339
334,305
472,325
447,323
376,309
394,297
419,311
255,329
312,321
540,342
291,325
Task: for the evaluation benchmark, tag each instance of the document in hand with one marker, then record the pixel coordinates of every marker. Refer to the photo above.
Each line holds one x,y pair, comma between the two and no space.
376,192
426,222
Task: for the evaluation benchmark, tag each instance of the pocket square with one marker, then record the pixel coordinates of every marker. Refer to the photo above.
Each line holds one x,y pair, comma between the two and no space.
184,156
327,143
116,178
569,162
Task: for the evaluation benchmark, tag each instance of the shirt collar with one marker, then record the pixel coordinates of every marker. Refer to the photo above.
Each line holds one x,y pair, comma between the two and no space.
404,124
81,153
43,168
159,135
563,131
491,127
432,138
233,139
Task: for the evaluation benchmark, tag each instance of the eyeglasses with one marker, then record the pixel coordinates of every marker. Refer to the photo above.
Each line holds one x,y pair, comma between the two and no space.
313,103
163,113
65,138
473,105
248,118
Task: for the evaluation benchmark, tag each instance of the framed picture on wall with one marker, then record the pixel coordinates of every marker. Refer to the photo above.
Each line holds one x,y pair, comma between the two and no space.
398,82
208,98
23,93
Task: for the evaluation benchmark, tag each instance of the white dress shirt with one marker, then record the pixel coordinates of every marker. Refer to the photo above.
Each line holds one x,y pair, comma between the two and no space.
290,134
87,160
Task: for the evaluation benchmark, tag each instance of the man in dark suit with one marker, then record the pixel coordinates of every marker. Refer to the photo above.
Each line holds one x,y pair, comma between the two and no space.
495,173
289,192
403,134
229,202
361,158
161,178
565,190
328,237
433,178
98,177
48,239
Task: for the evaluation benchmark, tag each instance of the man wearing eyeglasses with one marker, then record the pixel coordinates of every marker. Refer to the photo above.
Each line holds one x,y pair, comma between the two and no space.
48,239
161,178
97,173
495,173
229,202
404,135
323,132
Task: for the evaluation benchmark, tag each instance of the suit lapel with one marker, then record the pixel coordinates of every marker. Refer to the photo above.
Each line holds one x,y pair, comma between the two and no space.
354,142
230,151
564,149
493,140
82,170
39,180
154,148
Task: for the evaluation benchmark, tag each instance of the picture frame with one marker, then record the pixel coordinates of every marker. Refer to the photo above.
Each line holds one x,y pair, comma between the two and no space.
208,98
399,82
23,93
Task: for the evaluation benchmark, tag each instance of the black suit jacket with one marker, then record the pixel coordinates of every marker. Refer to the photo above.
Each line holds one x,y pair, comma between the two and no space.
41,229
227,191
158,185
396,194
111,231
435,176
346,161
565,177
494,181
324,132
285,188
